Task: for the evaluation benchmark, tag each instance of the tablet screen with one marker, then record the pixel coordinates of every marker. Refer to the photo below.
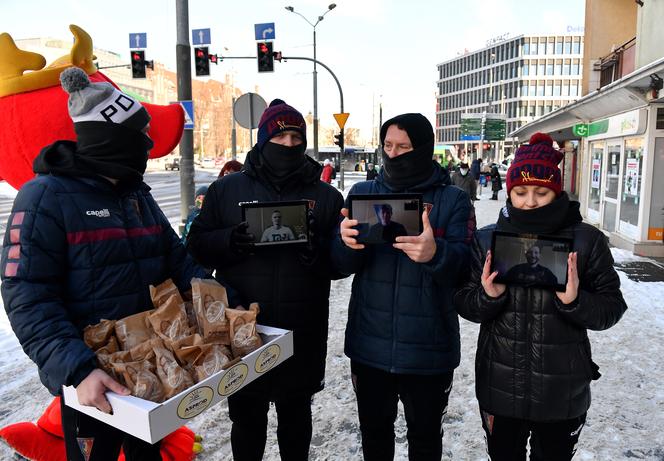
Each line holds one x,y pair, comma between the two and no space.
530,260
276,223
383,217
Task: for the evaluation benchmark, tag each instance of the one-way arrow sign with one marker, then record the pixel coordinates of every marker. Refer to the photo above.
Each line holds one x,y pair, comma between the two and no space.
200,36
138,40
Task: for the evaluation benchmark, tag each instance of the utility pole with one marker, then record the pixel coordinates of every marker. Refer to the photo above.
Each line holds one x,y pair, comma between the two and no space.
234,132
183,59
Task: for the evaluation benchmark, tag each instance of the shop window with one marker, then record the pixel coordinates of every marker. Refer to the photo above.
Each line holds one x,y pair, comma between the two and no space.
596,158
659,123
632,179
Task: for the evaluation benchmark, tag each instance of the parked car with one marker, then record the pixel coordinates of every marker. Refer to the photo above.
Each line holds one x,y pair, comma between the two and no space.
207,163
174,164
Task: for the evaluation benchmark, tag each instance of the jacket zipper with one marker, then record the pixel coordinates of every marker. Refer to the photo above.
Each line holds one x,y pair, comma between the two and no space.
394,316
528,351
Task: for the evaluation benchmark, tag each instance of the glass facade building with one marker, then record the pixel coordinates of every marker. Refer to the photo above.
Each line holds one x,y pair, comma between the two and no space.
523,77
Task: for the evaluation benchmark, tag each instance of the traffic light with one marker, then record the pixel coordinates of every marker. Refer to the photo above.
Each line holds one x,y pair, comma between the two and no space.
214,59
340,140
202,61
138,64
265,57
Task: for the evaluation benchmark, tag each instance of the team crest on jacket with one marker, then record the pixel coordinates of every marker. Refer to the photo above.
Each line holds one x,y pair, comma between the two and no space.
85,445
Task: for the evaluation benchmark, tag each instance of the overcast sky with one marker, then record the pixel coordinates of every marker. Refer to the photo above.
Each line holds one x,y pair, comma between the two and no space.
381,50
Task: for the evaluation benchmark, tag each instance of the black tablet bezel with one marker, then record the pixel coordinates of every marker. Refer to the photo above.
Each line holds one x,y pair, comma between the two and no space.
500,278
377,198
277,204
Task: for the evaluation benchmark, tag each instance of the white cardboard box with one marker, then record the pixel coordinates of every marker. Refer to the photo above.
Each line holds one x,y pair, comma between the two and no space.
152,421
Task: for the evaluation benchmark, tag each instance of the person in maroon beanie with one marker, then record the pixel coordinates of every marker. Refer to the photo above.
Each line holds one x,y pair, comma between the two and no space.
533,364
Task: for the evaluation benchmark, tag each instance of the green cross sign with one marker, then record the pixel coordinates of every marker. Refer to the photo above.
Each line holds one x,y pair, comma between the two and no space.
580,129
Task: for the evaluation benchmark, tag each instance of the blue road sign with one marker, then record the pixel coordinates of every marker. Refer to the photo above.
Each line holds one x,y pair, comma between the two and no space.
466,137
188,107
200,36
264,31
138,40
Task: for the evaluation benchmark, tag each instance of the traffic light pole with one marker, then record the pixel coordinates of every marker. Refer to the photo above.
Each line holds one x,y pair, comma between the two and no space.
183,58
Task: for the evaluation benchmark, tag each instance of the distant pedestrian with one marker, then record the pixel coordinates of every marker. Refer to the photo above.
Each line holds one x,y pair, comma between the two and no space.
371,172
496,181
328,171
232,166
199,196
464,180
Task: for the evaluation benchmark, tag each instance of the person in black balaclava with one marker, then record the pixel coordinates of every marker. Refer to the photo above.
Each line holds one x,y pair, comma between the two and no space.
291,283
402,335
84,242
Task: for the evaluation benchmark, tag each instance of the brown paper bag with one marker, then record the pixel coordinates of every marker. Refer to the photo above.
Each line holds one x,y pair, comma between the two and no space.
133,330
210,302
163,291
95,336
174,378
139,377
210,361
169,321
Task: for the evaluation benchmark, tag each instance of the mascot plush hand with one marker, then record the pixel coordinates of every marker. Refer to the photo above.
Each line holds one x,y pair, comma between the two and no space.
33,106
44,441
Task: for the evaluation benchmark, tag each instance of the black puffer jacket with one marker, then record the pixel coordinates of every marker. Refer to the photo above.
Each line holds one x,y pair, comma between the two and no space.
292,290
533,355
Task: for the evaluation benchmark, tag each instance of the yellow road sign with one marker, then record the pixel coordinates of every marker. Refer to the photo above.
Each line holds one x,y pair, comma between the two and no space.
341,119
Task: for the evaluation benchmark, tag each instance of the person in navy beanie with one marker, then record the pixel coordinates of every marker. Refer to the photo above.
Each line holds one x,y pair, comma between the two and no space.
533,363
291,284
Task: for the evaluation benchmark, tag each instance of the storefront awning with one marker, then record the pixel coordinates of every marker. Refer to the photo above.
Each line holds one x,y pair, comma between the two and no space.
626,94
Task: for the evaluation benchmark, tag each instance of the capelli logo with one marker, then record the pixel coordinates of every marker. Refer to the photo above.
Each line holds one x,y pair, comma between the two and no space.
99,213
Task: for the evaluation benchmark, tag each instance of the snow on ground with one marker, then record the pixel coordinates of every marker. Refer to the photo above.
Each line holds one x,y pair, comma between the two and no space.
624,421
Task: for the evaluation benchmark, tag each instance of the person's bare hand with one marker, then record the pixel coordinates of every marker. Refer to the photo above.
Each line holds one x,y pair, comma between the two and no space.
572,287
90,391
419,248
492,289
348,231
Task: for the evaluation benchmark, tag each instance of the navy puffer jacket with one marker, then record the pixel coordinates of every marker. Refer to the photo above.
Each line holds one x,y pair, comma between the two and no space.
78,250
401,317
533,357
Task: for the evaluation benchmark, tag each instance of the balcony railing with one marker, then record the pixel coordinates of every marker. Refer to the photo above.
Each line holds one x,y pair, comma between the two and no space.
617,64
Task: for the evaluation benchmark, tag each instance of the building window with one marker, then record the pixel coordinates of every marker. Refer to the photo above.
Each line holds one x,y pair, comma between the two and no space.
540,70
549,88
540,110
549,68
566,66
556,88
559,45
540,88
547,107
558,68
576,46
524,88
533,68
565,91
541,49
568,45
531,110
533,47
549,46
574,88
575,67
526,48
532,88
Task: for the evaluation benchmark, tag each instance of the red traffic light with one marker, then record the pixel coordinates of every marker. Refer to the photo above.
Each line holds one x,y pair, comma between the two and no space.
214,58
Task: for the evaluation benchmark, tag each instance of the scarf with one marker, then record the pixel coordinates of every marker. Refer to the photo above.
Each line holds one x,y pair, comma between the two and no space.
409,169
280,164
548,219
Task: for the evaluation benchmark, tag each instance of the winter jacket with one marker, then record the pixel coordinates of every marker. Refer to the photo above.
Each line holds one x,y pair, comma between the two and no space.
371,174
78,250
496,181
533,358
475,168
401,318
326,176
466,183
291,286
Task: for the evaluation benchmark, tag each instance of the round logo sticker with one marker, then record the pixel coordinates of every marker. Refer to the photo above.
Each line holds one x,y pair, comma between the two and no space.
195,402
267,358
233,379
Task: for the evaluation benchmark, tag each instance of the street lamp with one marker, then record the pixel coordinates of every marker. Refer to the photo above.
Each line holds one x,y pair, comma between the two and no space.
330,7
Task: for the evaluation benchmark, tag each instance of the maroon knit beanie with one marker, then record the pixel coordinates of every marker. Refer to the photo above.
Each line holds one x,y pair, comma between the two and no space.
279,117
536,164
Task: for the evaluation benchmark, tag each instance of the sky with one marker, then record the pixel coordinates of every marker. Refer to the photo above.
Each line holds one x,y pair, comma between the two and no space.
384,52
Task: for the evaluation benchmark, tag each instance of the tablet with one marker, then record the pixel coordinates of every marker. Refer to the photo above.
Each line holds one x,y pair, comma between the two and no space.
383,217
277,223
530,260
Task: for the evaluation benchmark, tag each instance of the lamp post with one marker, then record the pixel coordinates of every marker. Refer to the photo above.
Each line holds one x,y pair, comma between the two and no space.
313,25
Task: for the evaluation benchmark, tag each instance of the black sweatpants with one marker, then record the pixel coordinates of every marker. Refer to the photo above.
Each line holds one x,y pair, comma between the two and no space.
549,441
88,439
248,412
424,399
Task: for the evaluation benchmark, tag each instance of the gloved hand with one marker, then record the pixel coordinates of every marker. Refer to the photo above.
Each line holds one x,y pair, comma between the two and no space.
241,241
309,252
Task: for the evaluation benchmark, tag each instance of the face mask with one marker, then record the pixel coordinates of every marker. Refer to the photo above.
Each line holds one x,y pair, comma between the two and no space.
463,171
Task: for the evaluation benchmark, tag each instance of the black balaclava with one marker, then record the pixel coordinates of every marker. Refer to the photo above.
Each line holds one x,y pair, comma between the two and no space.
414,167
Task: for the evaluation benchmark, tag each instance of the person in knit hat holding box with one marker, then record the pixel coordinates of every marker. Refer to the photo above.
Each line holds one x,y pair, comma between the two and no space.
84,242
290,283
533,363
